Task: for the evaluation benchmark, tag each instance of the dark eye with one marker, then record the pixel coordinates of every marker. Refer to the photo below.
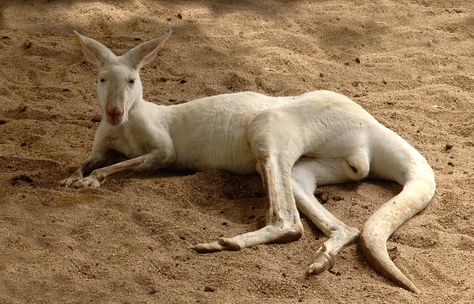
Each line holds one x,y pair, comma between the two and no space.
102,80
131,81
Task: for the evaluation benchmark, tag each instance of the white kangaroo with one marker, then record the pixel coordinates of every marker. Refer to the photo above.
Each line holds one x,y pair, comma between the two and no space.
294,143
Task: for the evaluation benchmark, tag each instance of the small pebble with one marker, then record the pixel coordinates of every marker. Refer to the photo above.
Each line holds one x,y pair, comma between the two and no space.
27,44
322,197
21,178
209,289
96,118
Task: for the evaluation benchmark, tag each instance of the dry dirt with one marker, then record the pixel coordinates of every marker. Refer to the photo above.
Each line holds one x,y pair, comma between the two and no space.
409,63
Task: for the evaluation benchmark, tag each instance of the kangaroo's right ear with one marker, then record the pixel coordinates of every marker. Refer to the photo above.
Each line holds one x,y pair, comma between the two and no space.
95,52
145,52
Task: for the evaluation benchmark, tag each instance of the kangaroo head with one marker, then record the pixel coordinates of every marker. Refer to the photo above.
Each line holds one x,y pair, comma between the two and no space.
118,83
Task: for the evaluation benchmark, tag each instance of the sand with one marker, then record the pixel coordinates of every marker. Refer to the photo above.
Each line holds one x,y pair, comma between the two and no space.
409,63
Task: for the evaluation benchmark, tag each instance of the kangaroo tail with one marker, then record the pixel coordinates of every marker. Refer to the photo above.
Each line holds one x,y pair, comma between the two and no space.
417,192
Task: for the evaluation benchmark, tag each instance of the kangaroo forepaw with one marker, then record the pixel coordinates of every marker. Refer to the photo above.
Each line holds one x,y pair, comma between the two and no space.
323,260
69,181
86,182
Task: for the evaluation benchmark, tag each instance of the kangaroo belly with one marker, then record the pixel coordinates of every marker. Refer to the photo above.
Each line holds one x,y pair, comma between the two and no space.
230,155
206,159
215,143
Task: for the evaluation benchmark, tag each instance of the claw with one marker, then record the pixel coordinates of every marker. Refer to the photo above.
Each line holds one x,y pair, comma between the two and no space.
68,181
86,182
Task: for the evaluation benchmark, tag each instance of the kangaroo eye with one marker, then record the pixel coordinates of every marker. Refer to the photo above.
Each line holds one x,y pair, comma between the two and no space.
102,80
131,81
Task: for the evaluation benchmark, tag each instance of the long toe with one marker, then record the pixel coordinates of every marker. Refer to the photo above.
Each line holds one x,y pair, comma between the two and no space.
322,262
208,247
230,244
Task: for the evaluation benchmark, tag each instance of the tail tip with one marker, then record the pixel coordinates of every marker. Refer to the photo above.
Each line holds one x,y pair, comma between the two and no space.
375,251
410,287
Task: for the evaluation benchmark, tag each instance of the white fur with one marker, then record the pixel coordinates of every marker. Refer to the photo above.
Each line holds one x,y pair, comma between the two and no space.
294,143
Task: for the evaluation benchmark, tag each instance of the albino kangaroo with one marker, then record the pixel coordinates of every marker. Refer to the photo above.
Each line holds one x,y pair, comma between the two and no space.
294,143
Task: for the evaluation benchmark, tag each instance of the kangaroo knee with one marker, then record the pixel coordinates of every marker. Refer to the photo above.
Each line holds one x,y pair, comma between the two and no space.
358,166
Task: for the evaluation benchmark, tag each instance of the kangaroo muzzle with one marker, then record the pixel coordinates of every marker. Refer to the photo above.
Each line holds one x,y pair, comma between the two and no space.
114,114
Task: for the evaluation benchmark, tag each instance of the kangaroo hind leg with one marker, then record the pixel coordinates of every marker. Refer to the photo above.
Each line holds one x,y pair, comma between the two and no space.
283,221
305,174
276,149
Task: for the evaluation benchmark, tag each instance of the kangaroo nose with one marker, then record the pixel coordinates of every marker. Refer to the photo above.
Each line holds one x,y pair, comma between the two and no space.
114,114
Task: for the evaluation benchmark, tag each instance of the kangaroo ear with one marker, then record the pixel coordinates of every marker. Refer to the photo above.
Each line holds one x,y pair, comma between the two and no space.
146,52
95,52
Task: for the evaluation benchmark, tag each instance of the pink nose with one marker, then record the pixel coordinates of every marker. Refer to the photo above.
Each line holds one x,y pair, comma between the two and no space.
114,114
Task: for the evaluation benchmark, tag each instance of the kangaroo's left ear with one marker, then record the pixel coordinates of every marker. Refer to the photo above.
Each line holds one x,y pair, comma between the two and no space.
145,52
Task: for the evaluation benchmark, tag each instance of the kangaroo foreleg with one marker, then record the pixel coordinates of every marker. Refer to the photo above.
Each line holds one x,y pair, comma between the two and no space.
94,162
150,161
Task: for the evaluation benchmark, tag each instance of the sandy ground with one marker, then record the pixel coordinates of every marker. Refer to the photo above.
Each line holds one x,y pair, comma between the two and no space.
410,63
